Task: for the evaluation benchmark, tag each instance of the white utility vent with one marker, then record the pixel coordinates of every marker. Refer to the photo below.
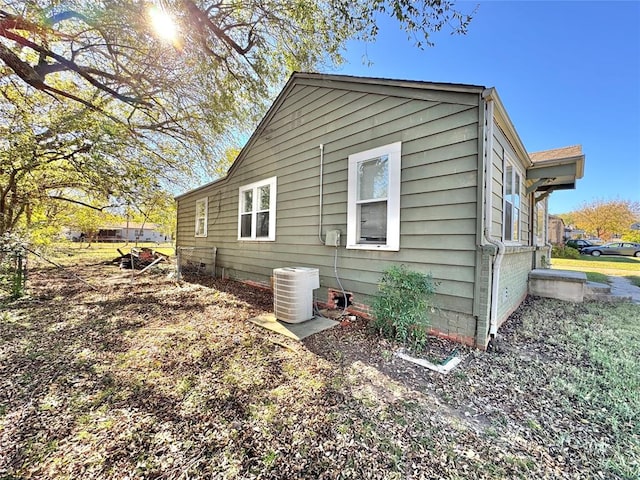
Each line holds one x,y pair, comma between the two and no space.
293,293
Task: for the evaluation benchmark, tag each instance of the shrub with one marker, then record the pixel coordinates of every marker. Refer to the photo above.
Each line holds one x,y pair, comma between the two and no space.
565,252
401,307
631,236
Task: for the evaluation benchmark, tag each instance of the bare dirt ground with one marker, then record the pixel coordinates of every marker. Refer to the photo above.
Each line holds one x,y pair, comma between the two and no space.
149,378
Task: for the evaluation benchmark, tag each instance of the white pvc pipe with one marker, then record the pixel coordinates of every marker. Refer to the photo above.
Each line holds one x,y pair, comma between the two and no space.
320,203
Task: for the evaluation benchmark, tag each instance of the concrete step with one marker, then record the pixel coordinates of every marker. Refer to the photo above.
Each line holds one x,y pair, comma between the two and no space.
607,297
574,287
561,284
596,288
601,292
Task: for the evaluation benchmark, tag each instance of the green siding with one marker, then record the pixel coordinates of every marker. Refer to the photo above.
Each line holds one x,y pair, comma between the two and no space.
438,131
497,183
518,258
444,94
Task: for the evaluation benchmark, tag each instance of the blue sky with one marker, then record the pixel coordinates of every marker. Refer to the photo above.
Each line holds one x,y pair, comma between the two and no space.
567,72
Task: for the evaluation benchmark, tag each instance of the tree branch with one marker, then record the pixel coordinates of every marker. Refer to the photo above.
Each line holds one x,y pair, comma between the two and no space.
66,15
78,202
30,74
203,17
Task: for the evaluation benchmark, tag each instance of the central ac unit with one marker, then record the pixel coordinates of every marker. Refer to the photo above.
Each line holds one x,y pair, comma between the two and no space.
293,293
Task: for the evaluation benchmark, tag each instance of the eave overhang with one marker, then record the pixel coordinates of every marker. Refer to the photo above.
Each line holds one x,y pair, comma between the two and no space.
555,174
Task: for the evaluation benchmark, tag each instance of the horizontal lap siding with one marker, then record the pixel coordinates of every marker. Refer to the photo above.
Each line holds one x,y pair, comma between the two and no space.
186,223
438,193
497,185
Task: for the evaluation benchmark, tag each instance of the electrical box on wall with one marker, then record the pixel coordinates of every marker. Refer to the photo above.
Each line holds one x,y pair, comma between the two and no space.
333,238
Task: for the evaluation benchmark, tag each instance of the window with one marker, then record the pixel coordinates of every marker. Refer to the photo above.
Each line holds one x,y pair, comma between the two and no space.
257,211
373,209
201,217
511,204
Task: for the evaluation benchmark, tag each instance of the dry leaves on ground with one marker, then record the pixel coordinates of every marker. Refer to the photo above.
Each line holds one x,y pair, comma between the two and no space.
154,379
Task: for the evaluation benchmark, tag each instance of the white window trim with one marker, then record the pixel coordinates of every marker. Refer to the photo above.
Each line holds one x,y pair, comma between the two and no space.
204,200
272,182
393,151
541,241
509,162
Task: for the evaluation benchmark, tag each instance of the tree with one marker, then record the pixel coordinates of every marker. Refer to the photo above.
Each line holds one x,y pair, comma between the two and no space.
159,209
56,152
228,52
100,105
226,160
607,218
88,221
567,218
632,236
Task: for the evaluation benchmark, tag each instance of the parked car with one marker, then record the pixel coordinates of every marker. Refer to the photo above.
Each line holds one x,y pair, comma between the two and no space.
613,248
578,244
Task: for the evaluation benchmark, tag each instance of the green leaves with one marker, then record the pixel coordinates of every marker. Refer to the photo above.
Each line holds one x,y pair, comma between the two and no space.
606,218
401,308
225,59
98,105
63,151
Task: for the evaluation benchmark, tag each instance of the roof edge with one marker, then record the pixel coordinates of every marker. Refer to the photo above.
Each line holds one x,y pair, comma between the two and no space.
252,139
418,84
295,76
576,159
201,187
491,94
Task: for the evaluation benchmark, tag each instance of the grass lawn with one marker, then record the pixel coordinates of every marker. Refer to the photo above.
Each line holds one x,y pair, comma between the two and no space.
148,378
598,268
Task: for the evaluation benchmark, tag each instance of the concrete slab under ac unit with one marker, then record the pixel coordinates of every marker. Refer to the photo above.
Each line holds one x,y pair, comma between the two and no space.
297,331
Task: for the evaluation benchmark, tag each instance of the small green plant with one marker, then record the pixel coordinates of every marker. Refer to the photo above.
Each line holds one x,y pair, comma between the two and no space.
401,307
565,252
270,458
544,262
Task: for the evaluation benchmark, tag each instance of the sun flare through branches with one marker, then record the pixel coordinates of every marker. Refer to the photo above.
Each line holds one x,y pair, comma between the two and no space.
164,25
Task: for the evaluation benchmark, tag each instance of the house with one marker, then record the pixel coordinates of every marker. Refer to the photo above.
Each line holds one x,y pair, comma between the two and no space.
430,175
573,233
555,230
122,232
130,232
